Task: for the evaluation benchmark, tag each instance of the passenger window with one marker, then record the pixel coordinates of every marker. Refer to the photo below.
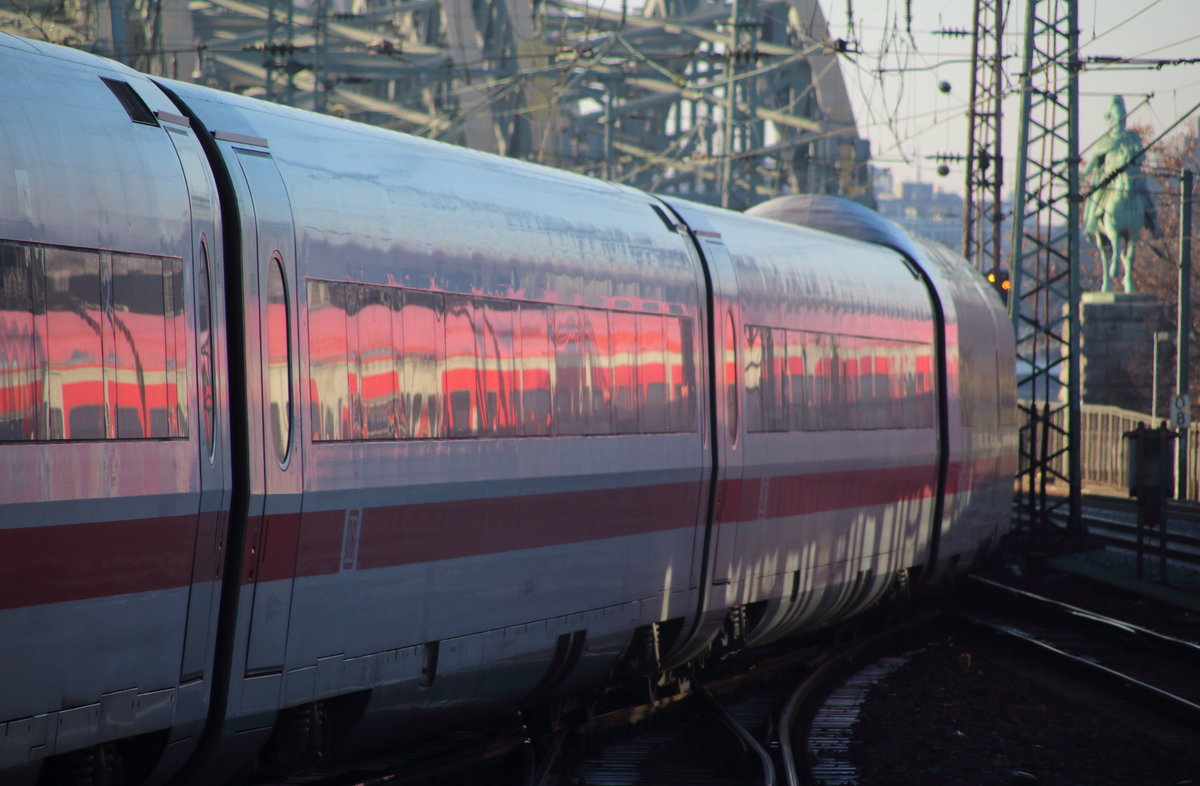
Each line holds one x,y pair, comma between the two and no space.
731,404
462,377
818,352
376,363
537,369
91,345
204,349
142,385
74,345
328,359
775,380
494,331
22,365
599,372
279,358
571,391
624,340
753,362
798,372
424,353
678,345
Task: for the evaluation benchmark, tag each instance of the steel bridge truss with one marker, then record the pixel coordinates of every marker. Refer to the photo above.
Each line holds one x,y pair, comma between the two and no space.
729,102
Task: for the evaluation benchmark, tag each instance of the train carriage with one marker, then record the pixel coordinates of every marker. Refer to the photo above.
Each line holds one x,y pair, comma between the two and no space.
313,434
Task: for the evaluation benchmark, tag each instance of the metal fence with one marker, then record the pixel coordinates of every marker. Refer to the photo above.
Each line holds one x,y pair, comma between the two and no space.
1104,450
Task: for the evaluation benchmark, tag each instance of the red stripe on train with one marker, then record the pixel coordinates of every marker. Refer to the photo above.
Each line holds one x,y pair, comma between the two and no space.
40,565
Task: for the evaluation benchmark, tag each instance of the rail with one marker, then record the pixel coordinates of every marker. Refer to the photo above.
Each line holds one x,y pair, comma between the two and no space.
1104,450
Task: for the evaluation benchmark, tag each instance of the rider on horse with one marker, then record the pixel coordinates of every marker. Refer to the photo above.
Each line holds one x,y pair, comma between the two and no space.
1116,212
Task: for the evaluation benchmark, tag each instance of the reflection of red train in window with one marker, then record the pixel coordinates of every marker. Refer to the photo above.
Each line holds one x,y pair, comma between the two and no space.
97,349
803,381
392,363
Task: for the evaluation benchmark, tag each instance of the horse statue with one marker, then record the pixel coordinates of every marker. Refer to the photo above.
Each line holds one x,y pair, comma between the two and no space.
1118,210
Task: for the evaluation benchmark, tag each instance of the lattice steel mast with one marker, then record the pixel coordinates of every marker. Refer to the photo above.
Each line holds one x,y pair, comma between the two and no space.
278,51
983,212
1045,269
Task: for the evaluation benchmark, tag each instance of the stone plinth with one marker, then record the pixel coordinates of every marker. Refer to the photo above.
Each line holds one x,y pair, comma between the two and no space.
1116,347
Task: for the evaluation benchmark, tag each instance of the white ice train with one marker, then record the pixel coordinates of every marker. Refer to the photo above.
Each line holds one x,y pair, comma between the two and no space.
313,433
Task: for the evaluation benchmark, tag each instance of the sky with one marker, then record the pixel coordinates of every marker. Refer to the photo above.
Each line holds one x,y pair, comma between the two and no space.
893,80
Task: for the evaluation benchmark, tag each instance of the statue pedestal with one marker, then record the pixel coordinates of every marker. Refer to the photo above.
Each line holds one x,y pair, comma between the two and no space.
1116,345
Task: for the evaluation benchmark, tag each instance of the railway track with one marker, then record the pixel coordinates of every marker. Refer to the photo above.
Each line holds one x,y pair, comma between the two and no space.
1148,668
736,734
1012,684
1112,521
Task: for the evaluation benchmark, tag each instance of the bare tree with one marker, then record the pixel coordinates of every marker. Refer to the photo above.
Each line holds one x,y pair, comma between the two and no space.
1156,270
67,22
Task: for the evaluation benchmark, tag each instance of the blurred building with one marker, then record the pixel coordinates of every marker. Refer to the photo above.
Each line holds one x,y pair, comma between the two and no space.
923,210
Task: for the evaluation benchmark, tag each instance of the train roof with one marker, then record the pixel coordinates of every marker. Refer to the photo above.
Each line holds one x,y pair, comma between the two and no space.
838,216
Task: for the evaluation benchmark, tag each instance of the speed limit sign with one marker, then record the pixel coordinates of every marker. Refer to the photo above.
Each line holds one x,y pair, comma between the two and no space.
1181,412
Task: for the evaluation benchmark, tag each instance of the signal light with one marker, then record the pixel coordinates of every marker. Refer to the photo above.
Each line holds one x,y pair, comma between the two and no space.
1000,282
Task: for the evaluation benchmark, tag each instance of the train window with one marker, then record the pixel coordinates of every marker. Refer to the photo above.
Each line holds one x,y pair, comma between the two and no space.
395,304
979,391
328,359
91,345
873,379
752,379
74,345
354,408
424,351
537,369
570,372
143,388
176,332
818,351
204,349
279,357
392,363
911,405
730,368
775,380
499,404
677,344
22,365
654,414
801,381
1006,398
924,386
846,382
376,363
462,373
599,372
624,349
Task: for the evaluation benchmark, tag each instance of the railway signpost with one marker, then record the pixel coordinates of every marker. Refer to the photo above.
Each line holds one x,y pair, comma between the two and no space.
1181,415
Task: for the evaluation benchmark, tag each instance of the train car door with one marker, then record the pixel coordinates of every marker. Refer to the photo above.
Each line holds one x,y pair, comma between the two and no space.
270,297
726,329
212,419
